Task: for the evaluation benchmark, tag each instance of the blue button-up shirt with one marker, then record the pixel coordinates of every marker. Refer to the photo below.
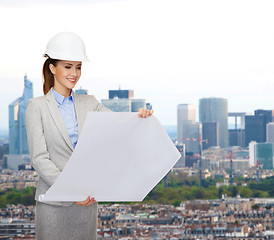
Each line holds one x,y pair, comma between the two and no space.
67,110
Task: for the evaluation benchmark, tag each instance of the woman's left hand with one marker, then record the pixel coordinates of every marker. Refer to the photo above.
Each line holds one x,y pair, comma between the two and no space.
144,113
87,202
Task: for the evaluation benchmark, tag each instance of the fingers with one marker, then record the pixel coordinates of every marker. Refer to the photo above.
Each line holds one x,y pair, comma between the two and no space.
140,111
91,201
87,202
144,113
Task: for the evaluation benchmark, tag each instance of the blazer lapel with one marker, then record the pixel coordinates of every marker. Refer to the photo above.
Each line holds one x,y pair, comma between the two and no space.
80,112
53,108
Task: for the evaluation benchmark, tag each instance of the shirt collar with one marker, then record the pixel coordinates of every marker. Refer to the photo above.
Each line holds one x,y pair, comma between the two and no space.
60,98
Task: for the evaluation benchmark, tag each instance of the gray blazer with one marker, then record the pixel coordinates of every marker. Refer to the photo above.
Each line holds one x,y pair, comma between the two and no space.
49,144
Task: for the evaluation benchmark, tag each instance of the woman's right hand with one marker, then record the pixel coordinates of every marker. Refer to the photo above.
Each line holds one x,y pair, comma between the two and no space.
87,202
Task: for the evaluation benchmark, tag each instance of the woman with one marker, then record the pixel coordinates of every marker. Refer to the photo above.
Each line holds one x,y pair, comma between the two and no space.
54,122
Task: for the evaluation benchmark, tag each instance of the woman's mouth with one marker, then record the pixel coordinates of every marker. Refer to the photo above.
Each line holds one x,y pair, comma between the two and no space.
72,79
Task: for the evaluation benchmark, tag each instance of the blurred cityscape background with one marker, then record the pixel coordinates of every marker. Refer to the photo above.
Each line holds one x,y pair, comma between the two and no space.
221,187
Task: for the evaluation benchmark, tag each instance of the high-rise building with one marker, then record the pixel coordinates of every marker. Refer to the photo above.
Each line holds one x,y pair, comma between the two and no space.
254,129
17,123
192,132
181,162
210,133
187,127
124,101
237,133
236,137
261,153
216,110
265,155
4,150
252,154
185,115
81,91
267,114
270,132
192,160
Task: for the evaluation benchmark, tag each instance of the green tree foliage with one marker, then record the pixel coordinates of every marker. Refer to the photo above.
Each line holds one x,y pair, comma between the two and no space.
245,192
182,187
13,196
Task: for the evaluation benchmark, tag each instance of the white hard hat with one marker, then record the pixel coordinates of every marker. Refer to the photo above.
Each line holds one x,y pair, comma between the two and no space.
66,46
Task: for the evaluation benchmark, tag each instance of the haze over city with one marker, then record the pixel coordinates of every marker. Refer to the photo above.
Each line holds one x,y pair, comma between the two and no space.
168,52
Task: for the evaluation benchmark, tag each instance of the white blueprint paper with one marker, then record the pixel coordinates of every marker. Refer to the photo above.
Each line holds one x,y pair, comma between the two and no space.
118,157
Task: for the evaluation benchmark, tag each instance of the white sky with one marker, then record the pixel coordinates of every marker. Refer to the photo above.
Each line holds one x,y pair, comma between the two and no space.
168,51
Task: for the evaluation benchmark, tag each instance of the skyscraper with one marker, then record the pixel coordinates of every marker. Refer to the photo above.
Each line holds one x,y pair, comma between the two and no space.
215,110
17,123
261,153
210,133
254,129
187,127
267,114
270,132
185,115
237,133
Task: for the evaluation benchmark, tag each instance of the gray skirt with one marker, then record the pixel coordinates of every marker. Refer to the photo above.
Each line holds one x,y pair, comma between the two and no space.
66,223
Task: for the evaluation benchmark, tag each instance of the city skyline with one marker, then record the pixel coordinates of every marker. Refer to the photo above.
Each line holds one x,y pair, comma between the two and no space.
4,130
175,53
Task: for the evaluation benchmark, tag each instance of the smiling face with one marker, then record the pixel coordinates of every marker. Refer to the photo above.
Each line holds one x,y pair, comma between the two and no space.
66,75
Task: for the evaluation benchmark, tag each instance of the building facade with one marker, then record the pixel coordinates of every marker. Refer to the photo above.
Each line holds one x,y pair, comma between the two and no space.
237,132
186,114
264,155
81,91
261,154
187,127
215,110
120,94
254,129
17,123
117,105
211,134
270,132
124,101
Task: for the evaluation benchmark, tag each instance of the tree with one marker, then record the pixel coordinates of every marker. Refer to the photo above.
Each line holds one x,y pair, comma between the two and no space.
245,192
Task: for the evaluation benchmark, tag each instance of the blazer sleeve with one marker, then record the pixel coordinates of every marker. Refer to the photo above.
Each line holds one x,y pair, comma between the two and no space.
39,154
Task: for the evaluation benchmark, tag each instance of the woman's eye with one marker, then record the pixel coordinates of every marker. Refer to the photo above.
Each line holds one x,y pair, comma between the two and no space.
79,68
67,67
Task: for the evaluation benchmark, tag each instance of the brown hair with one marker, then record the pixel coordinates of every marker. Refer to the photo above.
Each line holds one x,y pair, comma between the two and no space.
47,75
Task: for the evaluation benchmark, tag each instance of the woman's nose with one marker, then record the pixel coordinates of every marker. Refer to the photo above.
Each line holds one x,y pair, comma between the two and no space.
73,71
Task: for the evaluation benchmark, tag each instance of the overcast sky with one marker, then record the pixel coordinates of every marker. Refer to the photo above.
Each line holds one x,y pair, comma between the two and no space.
168,51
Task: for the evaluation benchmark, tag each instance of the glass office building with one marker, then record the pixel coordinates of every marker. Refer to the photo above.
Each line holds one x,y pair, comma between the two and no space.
215,110
264,155
17,123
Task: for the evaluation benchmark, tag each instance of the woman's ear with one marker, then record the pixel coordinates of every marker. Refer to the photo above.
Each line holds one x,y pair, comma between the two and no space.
52,68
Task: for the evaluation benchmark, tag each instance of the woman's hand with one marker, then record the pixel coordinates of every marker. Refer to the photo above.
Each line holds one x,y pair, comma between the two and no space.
144,113
87,202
